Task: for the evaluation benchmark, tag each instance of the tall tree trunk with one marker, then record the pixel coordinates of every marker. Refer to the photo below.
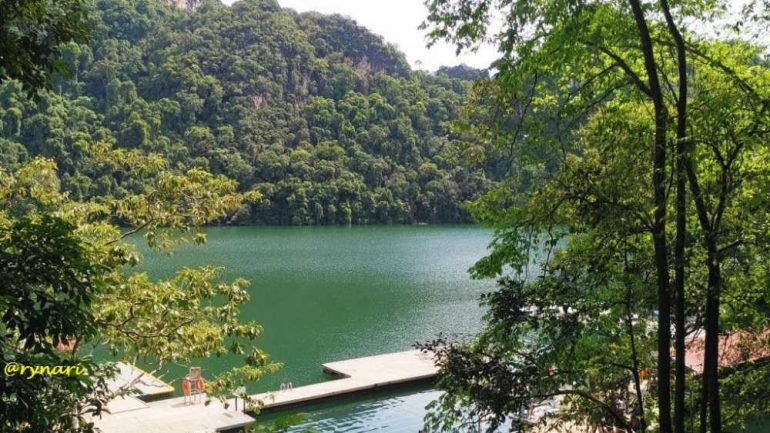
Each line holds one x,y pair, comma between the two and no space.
710,379
659,224
681,219
711,370
664,307
682,151
679,279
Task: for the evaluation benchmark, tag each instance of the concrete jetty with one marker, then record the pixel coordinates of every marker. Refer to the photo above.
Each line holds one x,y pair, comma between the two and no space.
355,376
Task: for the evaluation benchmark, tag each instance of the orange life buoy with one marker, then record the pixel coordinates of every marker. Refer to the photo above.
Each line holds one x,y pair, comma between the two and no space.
186,386
199,385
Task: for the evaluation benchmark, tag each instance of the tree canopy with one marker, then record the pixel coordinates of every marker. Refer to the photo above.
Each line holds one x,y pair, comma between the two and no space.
32,35
71,288
632,221
322,117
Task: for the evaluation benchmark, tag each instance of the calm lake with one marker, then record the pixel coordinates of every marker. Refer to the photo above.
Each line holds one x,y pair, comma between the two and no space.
333,293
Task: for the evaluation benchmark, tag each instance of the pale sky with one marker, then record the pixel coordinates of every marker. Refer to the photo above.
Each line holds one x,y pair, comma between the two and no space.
397,22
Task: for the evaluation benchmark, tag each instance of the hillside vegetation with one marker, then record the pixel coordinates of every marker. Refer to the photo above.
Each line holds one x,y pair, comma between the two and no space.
323,118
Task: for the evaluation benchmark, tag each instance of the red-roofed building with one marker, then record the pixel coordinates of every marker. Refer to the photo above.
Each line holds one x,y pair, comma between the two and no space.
66,346
734,349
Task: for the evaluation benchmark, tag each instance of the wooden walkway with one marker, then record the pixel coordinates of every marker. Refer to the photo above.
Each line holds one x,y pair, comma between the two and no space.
357,375
174,416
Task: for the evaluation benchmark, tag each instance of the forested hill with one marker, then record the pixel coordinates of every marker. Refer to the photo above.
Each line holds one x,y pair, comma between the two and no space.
323,117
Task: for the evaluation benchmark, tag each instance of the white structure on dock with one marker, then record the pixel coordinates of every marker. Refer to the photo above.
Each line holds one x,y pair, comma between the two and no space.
358,375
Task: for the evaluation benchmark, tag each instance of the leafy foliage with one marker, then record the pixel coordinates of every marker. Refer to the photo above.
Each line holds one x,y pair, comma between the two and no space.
70,278
49,286
32,34
588,102
321,117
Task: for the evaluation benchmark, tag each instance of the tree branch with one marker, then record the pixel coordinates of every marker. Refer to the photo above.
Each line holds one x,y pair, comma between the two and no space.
633,76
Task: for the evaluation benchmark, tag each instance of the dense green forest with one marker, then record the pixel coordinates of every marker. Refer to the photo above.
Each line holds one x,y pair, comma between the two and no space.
325,119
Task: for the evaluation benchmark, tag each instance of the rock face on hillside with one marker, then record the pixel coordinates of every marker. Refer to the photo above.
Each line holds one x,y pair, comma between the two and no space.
323,117
187,5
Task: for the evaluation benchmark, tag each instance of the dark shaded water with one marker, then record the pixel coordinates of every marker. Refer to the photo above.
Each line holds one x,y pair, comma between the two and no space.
393,412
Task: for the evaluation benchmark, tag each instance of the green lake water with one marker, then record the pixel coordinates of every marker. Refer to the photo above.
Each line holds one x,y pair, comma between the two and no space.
332,293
